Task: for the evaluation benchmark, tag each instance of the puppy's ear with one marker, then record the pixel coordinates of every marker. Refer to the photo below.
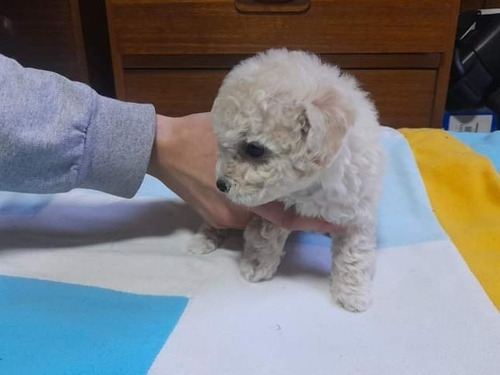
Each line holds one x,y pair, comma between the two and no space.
324,125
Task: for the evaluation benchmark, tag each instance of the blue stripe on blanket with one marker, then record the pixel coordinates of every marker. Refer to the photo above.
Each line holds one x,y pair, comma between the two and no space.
56,328
151,187
405,213
487,144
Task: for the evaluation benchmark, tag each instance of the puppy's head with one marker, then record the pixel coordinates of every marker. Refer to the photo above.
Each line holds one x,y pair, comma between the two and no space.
278,124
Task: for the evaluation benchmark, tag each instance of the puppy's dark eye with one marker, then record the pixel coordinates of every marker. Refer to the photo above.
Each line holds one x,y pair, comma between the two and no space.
254,150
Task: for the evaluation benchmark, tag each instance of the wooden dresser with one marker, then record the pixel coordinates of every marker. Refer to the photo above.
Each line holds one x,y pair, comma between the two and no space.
174,53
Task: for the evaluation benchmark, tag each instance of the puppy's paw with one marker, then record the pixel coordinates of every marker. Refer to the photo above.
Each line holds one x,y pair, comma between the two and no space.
200,244
256,270
355,303
351,300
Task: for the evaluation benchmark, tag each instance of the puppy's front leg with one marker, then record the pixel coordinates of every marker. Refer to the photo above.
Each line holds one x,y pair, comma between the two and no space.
264,243
353,268
206,240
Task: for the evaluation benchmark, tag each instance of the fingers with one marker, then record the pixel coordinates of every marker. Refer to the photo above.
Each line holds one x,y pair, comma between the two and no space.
288,219
225,215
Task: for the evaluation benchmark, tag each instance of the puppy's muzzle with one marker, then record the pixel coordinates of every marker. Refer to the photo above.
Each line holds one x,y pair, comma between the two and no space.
223,185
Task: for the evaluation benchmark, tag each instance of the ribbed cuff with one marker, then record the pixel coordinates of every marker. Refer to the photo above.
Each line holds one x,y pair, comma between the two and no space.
118,145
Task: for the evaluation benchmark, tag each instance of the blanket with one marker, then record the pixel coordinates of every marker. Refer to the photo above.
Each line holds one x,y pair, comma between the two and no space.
95,284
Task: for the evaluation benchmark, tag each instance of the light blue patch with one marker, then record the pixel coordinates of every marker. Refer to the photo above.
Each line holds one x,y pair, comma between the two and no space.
405,215
21,204
56,328
405,212
487,144
152,187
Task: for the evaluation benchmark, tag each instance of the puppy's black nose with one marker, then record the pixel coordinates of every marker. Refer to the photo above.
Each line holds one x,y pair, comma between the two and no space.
223,185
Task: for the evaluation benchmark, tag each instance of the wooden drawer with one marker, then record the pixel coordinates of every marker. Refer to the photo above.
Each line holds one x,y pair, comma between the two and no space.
403,97
328,26
174,53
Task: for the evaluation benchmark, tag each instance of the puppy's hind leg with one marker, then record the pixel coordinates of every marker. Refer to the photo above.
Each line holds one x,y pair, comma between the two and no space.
353,268
264,243
206,240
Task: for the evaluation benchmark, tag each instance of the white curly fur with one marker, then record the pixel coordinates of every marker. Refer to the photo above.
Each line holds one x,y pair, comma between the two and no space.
323,156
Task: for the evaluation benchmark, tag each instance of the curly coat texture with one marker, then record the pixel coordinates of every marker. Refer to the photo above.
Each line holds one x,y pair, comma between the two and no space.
315,141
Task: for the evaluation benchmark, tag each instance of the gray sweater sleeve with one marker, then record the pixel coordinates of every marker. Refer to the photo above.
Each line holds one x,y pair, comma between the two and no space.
56,135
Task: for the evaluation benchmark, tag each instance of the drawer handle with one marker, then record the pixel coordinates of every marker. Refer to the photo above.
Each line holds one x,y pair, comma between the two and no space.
272,6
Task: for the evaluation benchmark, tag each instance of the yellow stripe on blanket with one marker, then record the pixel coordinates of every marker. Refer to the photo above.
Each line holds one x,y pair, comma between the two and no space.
464,190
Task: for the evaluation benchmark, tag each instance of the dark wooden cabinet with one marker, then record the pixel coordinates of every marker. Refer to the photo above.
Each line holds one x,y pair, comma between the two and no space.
44,35
68,37
174,53
471,5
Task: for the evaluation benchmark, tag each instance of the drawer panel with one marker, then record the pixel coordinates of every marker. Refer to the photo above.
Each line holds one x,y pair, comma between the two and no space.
404,97
328,26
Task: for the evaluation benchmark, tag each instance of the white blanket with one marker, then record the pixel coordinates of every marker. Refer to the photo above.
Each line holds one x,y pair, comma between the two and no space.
430,315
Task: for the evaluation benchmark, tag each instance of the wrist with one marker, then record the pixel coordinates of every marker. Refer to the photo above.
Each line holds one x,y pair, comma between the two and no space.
164,140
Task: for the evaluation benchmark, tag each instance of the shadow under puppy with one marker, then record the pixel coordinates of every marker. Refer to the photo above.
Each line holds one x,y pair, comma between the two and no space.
293,129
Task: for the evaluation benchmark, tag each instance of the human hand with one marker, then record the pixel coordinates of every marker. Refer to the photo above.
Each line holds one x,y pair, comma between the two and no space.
184,156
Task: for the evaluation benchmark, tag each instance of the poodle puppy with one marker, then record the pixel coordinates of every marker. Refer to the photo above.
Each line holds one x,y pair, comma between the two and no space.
293,129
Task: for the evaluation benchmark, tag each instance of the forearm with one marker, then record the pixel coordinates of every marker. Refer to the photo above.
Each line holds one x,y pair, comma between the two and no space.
56,135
